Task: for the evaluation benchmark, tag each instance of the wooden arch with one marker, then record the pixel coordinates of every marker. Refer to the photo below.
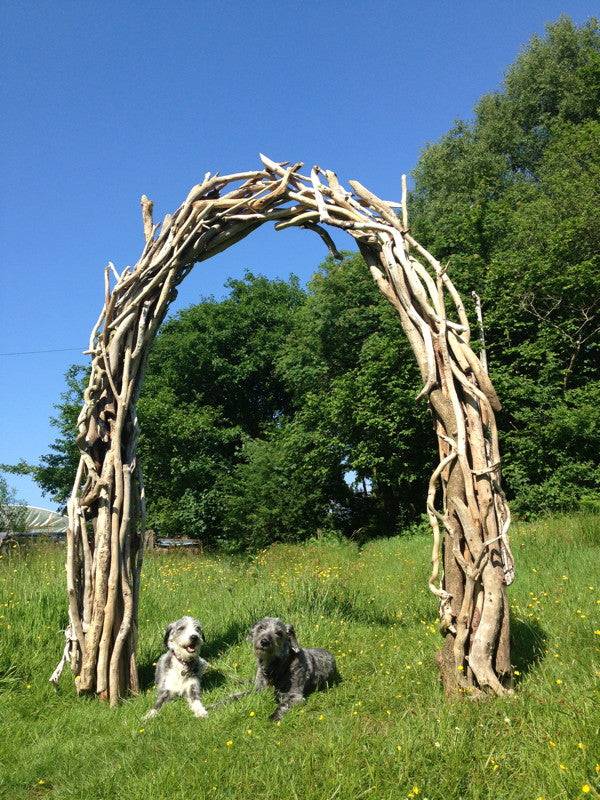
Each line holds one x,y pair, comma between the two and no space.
471,559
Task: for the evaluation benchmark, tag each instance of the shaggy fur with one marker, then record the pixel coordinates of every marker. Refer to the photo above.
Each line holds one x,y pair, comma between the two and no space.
178,671
293,671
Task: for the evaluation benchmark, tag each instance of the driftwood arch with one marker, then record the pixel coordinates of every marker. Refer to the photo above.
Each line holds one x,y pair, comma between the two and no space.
471,559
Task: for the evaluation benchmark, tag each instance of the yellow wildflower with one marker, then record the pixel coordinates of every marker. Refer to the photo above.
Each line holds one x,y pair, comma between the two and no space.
229,743
586,788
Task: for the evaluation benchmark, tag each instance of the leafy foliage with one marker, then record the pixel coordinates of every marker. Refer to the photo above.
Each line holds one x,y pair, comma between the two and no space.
211,387
350,368
12,512
513,201
286,487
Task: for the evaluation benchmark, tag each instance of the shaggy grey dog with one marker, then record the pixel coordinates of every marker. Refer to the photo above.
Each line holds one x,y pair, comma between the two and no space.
293,671
179,670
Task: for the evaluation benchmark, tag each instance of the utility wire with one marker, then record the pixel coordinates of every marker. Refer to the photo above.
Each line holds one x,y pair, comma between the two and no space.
36,352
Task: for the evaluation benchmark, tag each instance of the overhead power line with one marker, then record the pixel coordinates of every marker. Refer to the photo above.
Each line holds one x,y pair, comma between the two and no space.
37,352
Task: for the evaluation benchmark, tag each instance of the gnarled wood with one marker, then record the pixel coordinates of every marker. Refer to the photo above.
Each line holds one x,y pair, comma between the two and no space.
471,559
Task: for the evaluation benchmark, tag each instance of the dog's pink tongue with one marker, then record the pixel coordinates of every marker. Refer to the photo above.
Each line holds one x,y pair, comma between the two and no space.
190,648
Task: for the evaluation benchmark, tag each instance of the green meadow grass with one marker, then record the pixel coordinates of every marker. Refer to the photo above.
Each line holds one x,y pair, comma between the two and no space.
385,732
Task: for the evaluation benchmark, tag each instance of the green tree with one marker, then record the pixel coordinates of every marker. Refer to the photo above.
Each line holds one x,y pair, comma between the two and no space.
256,407
512,201
12,512
211,385
347,362
287,486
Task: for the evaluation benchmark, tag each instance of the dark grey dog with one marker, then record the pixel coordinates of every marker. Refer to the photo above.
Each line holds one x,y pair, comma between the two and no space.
291,670
179,670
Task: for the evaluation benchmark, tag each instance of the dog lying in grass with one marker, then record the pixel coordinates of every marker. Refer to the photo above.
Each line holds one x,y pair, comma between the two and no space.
293,671
178,671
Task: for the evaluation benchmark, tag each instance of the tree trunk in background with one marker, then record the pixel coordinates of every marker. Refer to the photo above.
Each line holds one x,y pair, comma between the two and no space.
470,567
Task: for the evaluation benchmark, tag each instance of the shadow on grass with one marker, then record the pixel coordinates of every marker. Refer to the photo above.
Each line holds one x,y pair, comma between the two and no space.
146,676
529,645
213,678
233,634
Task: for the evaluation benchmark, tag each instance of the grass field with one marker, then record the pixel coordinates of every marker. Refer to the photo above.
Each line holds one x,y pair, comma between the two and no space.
385,732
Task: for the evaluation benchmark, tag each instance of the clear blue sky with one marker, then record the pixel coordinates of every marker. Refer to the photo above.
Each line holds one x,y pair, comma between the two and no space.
105,101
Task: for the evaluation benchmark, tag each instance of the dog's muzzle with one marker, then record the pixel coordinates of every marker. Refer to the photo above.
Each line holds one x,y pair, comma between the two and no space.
192,645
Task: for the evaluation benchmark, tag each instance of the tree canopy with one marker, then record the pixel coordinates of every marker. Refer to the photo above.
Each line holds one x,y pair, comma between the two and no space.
512,201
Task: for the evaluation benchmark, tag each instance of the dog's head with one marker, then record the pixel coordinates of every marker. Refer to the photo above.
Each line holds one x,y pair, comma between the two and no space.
184,637
272,638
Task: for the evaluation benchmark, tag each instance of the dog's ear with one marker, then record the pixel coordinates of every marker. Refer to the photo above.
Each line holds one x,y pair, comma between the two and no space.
295,647
250,634
168,630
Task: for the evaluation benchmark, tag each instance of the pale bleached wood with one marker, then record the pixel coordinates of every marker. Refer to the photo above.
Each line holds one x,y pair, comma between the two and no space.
103,572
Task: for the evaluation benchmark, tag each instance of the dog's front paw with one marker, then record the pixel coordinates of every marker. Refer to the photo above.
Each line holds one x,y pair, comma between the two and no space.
276,715
199,711
150,715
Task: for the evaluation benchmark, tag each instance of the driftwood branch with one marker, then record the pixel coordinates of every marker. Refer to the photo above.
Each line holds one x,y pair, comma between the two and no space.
147,207
479,315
